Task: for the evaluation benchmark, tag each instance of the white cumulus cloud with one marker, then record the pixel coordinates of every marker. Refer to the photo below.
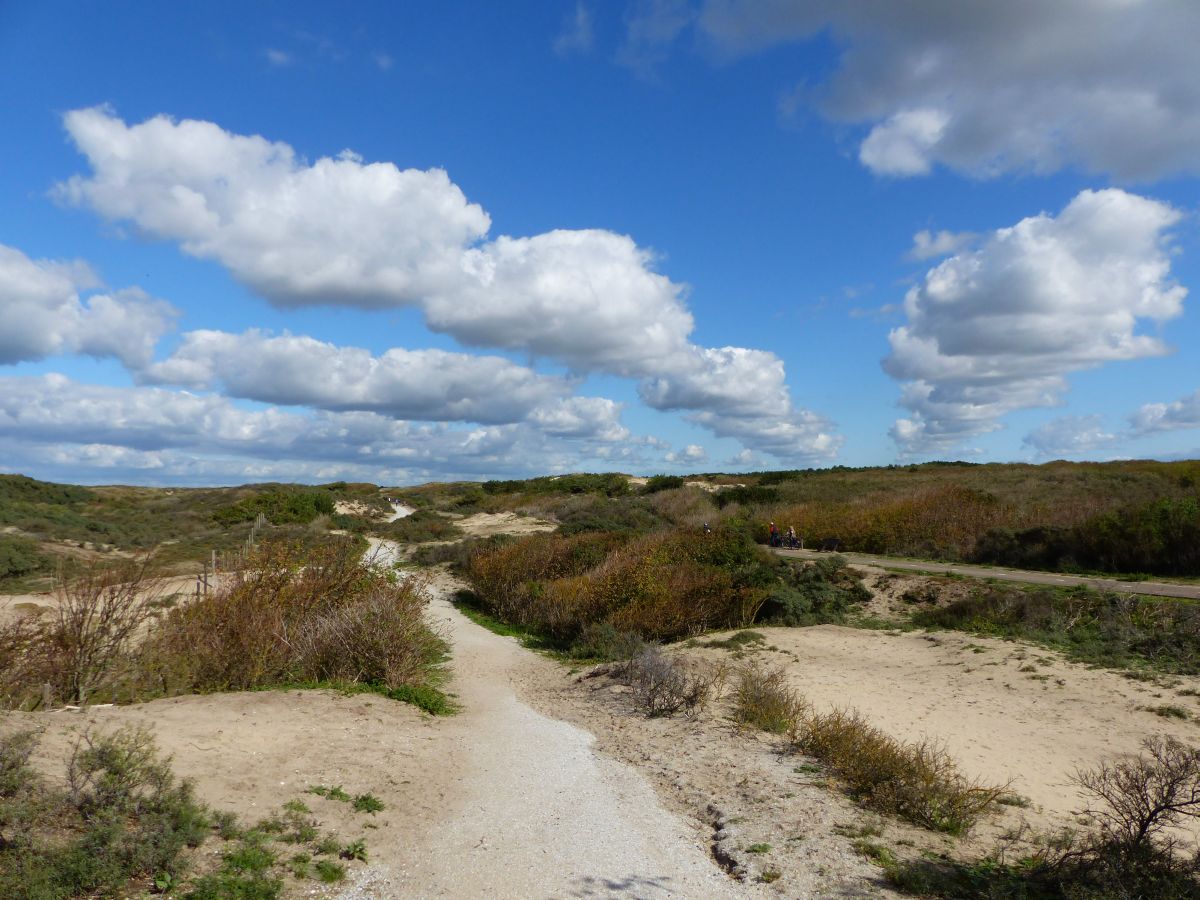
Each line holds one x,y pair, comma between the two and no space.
999,328
1028,85
42,313
342,231
1070,437
1179,414
53,420
294,370
930,245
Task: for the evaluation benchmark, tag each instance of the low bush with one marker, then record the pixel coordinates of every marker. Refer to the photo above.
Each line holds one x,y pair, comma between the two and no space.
83,648
421,527
20,557
281,507
660,586
657,483
915,781
662,685
1138,802
601,640
1090,626
291,616
815,593
122,815
764,699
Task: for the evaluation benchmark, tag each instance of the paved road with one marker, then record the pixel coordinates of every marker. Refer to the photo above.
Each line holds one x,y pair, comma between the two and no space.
1148,588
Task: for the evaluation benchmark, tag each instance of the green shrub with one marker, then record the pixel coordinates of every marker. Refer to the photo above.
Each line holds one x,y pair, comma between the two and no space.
601,640
20,556
281,507
658,483
813,593
764,700
1090,626
123,814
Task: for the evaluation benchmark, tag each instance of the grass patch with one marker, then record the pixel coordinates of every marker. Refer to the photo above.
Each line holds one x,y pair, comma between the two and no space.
740,640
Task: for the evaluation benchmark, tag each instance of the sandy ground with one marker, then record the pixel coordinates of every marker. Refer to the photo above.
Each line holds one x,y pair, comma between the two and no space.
488,524
1006,711
550,783
498,801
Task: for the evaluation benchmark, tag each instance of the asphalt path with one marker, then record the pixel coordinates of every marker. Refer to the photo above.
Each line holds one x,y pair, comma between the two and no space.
1023,576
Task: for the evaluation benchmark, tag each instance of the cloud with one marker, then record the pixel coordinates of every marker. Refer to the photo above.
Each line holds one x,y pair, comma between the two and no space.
42,314
292,370
928,245
345,232
692,453
54,420
1158,417
336,231
999,328
576,36
651,27
383,61
1070,437
1111,86
277,58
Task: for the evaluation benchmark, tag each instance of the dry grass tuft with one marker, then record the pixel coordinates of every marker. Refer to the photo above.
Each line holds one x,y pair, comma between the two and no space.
764,700
919,782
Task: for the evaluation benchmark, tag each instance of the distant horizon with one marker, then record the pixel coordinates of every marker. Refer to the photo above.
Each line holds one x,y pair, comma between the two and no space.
684,475
297,243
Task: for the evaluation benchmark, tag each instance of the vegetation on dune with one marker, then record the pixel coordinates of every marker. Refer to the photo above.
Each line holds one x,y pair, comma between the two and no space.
1100,628
122,815
317,615
660,586
1136,802
122,825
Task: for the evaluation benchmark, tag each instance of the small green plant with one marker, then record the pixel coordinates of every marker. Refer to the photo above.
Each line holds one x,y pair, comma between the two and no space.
330,793
367,803
329,846
299,865
877,853
355,850
329,871
769,876
759,848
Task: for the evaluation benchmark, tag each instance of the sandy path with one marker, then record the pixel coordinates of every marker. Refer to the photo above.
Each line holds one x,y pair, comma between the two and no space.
530,808
535,810
1148,588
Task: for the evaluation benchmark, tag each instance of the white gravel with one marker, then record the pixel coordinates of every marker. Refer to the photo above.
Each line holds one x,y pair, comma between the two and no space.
534,811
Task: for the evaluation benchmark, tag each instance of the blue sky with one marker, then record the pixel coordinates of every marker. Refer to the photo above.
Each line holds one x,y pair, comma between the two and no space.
305,242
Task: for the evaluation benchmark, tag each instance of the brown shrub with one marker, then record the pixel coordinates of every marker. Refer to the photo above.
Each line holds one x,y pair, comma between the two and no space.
764,700
84,646
663,685
660,586
916,781
294,616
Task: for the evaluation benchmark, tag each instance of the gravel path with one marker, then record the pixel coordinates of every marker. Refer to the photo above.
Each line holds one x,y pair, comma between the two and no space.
531,809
